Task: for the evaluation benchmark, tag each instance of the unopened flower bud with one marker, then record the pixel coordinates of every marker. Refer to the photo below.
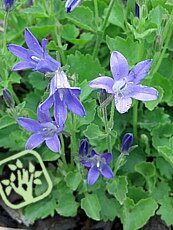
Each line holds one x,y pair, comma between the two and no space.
83,148
7,5
71,5
8,98
127,142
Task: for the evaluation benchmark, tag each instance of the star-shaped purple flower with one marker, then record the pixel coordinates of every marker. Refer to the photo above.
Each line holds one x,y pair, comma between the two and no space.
70,5
36,57
43,130
125,84
97,163
62,96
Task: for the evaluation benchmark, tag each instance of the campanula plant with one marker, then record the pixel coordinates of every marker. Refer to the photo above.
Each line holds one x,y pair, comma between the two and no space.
103,105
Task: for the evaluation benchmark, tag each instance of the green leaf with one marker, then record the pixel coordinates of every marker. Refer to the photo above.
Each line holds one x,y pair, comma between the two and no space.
90,204
161,135
93,132
6,121
37,181
118,188
169,2
128,47
82,17
5,182
167,151
37,80
67,206
85,66
148,171
36,211
110,208
157,14
35,11
135,216
165,210
85,90
73,180
31,167
69,32
137,193
8,190
152,104
161,190
152,119
19,164
90,108
117,15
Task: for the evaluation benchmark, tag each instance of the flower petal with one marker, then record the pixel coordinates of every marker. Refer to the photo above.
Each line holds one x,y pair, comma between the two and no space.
29,124
60,110
144,93
43,115
47,65
23,65
73,103
75,90
106,171
47,104
93,153
53,144
20,52
123,104
86,163
32,42
107,157
93,175
139,71
119,65
34,141
103,83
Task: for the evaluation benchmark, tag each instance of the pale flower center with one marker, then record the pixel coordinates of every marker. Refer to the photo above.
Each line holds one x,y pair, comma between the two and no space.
36,59
48,129
119,87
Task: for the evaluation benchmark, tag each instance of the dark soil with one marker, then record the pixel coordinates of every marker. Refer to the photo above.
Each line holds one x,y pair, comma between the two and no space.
78,223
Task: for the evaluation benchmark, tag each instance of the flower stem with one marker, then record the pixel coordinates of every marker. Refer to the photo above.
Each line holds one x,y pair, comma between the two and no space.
157,62
135,119
62,149
107,130
96,13
101,30
5,32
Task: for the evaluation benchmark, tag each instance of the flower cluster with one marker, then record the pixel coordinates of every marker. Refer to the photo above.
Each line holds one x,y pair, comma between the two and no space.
124,86
62,96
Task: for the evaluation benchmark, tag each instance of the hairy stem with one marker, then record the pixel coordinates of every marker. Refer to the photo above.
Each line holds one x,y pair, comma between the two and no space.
100,32
5,32
135,120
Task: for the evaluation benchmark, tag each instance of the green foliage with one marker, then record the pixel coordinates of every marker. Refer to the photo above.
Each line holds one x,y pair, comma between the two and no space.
90,204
